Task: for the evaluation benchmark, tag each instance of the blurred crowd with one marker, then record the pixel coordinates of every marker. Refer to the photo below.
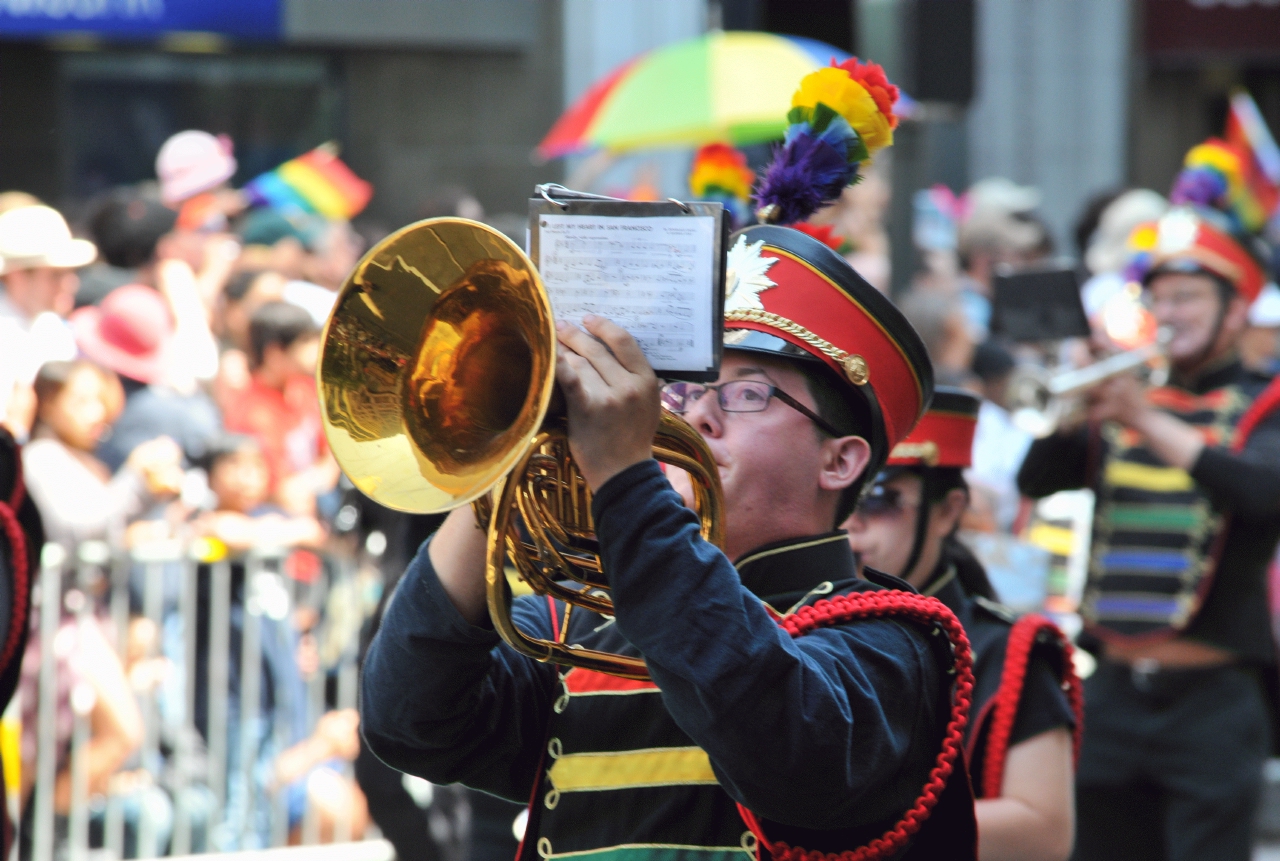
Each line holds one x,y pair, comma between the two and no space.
158,349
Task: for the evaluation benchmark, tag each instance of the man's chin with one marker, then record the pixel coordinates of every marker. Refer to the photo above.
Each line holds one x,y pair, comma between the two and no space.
1185,357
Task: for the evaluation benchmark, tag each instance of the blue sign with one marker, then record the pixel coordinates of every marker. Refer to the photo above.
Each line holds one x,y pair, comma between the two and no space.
141,19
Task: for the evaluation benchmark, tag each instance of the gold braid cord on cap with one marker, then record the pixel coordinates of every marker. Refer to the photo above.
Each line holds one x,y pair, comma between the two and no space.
925,451
855,367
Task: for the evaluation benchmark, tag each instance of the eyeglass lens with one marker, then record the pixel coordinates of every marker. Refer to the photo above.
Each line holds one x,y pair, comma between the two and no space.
737,396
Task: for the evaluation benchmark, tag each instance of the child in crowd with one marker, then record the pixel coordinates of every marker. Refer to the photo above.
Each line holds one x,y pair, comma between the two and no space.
280,407
243,517
78,497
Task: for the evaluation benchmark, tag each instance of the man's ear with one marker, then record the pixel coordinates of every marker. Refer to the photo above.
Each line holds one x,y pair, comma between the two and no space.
950,509
1236,317
843,461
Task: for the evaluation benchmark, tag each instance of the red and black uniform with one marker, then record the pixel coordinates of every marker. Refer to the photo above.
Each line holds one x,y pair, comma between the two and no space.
1023,680
793,707
1024,683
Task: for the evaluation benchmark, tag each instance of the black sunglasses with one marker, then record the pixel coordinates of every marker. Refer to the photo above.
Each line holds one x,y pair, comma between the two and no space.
738,396
881,501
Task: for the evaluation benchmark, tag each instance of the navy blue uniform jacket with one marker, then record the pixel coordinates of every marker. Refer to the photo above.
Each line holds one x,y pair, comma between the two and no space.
836,729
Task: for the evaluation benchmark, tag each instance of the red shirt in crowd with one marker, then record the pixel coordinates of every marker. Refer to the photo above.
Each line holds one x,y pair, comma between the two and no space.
286,423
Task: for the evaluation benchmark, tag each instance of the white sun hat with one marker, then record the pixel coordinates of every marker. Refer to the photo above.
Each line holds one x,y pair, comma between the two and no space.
192,162
36,236
1265,310
1109,248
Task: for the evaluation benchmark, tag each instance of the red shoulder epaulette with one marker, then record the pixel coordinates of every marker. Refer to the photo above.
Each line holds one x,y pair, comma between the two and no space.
899,605
1003,707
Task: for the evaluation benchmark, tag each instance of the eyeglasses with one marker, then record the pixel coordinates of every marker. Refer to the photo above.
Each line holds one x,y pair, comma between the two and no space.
882,501
738,396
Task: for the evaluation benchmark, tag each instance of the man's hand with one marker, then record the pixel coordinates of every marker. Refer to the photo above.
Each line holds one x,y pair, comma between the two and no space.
612,397
1123,399
1120,399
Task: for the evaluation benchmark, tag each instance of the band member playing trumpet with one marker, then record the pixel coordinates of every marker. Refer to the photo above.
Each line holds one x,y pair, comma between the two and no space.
791,708
1019,740
1187,478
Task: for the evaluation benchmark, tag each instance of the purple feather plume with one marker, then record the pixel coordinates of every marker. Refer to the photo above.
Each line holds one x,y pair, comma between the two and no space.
1198,187
805,175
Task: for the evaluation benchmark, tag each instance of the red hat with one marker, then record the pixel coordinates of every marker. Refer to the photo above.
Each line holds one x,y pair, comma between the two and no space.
790,295
1185,240
944,436
128,333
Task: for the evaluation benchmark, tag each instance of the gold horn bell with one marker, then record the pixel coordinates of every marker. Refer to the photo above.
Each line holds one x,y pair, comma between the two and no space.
437,369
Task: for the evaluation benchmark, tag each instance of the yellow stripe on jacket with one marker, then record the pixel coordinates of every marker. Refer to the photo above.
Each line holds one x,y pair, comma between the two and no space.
573,772
1162,479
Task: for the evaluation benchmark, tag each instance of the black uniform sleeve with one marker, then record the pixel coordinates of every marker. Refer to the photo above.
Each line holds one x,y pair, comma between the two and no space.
446,700
1043,705
1057,462
1248,483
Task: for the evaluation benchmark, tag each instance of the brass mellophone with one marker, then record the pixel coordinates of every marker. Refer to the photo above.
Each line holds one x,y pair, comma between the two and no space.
436,376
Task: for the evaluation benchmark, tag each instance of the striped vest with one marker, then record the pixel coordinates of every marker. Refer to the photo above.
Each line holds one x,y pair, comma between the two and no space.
1156,533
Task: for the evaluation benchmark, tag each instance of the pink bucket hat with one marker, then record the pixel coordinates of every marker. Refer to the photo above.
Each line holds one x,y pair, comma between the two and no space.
192,162
129,332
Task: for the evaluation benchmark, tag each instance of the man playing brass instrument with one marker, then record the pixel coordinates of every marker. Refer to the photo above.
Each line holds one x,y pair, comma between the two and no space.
781,716
1187,478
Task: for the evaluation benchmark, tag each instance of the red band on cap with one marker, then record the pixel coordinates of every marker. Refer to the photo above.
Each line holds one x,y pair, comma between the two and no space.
940,439
819,305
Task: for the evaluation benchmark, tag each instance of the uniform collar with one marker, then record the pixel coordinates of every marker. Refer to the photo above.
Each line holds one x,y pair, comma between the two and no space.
945,586
797,565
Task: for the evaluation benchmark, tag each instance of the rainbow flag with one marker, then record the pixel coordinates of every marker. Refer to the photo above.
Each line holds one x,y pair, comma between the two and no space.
316,182
1247,132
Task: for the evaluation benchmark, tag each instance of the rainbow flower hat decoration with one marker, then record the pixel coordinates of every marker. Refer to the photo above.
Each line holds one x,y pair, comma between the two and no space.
840,116
733,87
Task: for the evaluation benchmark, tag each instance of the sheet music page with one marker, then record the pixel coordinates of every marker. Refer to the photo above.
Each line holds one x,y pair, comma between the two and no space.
652,276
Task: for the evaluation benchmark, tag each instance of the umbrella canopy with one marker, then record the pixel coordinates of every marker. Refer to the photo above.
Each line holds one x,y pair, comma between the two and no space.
733,86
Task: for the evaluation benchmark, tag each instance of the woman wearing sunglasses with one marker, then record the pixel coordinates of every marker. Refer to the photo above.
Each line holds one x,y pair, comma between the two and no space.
1019,739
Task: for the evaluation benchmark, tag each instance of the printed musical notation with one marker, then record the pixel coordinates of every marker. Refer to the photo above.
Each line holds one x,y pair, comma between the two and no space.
652,276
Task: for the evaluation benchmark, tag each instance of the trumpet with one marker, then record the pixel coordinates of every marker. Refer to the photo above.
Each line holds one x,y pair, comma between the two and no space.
1039,401
436,381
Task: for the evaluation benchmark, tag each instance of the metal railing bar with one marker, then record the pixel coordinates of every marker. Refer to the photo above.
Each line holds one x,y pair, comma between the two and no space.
219,645
250,694
187,610
51,562
113,827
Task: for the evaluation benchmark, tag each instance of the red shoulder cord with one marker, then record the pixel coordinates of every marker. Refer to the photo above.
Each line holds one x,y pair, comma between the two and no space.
1004,706
1262,406
19,558
874,605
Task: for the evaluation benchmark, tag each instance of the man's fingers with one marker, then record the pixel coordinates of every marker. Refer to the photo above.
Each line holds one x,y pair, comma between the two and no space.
619,340
576,376
593,351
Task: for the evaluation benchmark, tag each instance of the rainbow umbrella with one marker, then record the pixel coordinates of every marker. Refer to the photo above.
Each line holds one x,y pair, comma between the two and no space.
733,87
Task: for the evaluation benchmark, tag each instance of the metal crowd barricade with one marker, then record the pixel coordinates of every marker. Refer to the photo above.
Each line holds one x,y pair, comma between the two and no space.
179,592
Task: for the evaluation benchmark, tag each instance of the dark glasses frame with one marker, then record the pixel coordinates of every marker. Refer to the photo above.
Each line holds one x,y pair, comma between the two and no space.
774,392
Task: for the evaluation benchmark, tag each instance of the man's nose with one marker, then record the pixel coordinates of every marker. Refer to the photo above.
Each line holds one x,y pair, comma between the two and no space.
705,415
